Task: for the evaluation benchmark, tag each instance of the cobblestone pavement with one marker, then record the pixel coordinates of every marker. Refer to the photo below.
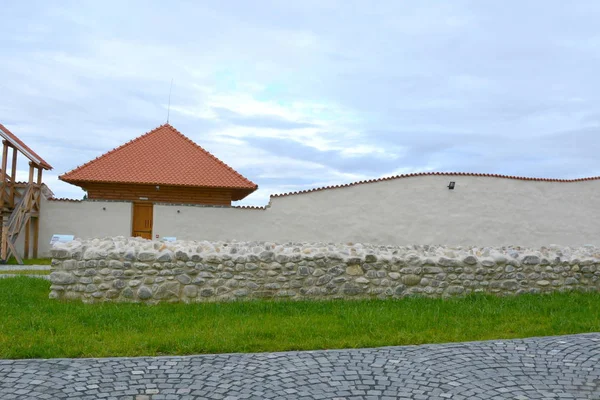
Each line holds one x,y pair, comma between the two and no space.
563,367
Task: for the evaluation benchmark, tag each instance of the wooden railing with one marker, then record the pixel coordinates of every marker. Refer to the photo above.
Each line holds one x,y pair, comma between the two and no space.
10,192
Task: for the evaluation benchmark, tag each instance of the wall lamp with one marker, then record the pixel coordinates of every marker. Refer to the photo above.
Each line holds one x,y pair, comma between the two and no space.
178,211
103,208
451,185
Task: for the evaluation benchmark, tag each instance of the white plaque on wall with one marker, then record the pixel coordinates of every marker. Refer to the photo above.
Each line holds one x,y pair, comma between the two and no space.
61,239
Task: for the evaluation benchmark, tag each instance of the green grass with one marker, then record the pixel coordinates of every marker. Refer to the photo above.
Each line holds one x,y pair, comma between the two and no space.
27,272
31,261
32,326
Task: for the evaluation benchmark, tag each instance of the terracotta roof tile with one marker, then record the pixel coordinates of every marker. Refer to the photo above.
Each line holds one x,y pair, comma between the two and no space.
32,156
64,199
250,207
522,178
163,156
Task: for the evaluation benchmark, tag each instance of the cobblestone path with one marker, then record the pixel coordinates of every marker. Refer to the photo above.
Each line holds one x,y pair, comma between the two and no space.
562,367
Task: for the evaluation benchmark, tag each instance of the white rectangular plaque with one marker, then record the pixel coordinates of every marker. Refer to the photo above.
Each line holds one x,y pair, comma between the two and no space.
61,239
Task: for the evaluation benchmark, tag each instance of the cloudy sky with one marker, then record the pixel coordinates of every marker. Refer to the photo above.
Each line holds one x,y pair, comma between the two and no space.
301,94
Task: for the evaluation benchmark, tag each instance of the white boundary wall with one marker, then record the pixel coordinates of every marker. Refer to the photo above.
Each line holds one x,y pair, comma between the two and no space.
483,211
480,211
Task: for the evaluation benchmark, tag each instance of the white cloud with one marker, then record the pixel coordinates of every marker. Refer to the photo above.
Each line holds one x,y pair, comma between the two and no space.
318,93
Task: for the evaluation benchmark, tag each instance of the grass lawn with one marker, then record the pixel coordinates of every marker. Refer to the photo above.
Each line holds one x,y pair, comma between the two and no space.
27,272
31,261
33,326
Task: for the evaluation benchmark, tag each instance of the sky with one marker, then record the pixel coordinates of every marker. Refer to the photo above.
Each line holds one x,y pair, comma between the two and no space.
302,94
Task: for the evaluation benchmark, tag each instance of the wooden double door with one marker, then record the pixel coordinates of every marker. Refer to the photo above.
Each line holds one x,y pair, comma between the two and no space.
142,220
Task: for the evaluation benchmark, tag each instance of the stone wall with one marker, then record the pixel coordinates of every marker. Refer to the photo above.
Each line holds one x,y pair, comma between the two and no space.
138,270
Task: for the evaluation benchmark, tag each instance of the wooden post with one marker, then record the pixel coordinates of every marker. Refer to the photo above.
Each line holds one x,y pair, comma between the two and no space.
36,236
3,173
3,243
28,223
31,173
26,244
36,220
13,177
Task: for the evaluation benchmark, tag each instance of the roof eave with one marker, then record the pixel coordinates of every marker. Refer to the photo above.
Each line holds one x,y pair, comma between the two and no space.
79,182
4,132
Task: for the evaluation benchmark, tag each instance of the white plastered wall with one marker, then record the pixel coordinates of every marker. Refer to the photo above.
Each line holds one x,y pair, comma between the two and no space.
87,219
483,211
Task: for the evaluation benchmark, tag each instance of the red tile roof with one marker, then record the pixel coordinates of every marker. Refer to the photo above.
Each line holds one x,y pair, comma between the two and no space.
522,178
163,156
30,154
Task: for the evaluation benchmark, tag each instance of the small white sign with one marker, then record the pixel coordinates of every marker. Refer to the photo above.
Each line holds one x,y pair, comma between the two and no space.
61,239
169,238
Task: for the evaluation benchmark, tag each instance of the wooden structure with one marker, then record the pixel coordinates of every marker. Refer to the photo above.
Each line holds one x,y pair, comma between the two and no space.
19,202
161,166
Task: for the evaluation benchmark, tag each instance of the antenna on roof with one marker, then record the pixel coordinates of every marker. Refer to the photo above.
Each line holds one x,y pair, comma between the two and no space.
169,108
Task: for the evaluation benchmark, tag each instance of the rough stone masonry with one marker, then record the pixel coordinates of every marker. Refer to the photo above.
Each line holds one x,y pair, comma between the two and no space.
137,270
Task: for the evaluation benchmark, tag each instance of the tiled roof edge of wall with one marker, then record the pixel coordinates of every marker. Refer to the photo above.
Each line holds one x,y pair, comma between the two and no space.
213,206
522,178
64,199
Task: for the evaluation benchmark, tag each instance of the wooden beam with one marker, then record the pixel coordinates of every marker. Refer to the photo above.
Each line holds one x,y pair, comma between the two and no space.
3,172
14,252
26,245
4,158
36,235
36,220
28,208
4,241
13,177
31,167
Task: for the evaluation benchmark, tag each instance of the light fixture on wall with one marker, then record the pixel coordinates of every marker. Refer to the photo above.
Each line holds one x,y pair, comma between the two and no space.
157,187
178,211
451,186
103,208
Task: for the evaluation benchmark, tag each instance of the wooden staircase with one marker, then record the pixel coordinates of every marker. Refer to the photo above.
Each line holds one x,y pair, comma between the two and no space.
19,201
20,217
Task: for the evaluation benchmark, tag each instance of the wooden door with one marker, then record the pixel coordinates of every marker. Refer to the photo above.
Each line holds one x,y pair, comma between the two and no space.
142,220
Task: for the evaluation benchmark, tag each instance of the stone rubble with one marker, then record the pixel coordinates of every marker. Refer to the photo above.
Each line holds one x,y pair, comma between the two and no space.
138,270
